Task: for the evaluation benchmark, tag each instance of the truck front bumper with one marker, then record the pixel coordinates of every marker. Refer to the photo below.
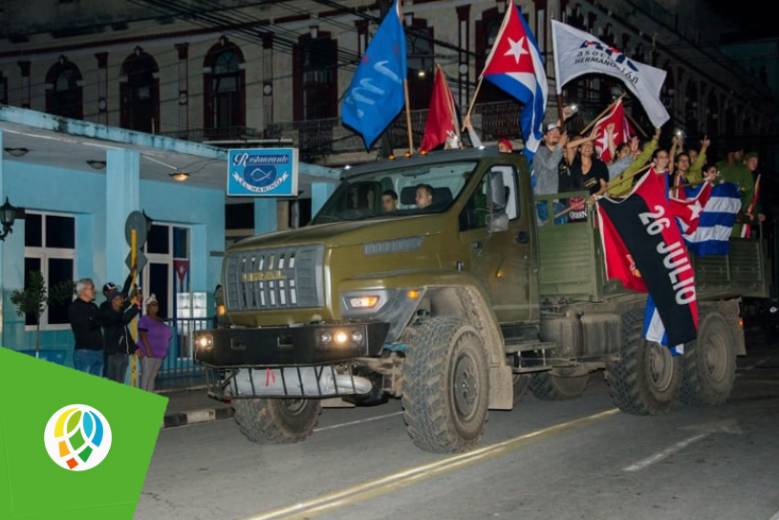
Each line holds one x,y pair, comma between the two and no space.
311,361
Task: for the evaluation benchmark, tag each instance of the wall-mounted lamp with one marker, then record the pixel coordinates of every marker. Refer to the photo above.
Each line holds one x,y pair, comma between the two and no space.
95,164
179,175
8,214
17,152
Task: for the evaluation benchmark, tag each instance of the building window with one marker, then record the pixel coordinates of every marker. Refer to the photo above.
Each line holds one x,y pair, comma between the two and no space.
140,93
421,63
315,76
224,87
167,272
64,96
50,247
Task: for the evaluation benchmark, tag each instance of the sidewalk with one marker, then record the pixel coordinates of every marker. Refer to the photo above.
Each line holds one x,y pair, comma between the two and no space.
193,406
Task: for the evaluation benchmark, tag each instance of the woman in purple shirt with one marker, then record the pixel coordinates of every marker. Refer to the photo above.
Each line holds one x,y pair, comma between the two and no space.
154,341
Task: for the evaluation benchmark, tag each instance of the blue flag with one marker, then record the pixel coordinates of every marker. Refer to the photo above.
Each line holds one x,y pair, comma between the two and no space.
375,95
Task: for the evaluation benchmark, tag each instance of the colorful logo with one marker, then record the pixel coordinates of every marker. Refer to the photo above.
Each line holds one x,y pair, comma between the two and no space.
77,437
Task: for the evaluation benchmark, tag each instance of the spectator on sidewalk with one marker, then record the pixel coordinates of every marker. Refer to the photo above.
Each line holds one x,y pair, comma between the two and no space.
154,342
85,321
117,312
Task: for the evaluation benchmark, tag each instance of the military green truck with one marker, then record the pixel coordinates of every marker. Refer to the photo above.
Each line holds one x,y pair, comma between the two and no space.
453,307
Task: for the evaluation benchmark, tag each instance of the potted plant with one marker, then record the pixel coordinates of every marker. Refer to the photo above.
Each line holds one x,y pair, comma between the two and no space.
35,299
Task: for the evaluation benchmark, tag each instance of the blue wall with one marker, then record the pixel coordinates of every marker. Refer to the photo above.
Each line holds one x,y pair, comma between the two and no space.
82,193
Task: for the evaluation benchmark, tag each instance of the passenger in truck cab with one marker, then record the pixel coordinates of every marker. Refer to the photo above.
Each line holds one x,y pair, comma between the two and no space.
424,197
389,201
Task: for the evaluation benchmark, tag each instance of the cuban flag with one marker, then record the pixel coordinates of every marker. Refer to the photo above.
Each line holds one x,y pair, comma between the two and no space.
515,66
654,330
712,235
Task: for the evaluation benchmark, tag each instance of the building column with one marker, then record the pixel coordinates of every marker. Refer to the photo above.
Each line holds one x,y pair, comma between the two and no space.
102,85
320,192
183,83
122,192
265,215
463,59
267,80
26,96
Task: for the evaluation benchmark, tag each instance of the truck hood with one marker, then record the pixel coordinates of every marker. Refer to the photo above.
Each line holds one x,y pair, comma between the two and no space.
348,233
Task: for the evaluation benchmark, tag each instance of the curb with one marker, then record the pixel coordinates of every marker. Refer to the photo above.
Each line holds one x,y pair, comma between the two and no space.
204,415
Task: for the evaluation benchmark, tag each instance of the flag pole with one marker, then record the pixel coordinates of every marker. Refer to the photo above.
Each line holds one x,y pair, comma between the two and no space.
640,130
408,118
473,101
595,120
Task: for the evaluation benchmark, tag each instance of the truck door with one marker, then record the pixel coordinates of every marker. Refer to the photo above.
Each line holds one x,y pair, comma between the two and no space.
502,260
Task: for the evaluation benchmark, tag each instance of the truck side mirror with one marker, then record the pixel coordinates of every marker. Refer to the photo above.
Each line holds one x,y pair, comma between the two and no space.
496,197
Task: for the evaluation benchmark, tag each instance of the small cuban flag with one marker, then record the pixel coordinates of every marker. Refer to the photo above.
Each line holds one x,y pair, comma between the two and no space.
515,66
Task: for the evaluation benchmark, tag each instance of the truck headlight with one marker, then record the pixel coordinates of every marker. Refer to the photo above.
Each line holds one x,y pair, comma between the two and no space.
364,302
204,342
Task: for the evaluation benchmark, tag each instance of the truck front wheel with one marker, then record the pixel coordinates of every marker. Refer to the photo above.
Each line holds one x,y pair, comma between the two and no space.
646,379
709,363
445,386
277,421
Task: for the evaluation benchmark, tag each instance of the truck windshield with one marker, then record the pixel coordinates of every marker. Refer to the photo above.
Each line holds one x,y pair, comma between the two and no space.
429,188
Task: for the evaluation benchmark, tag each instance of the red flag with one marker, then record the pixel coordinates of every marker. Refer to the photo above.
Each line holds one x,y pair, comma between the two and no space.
441,123
643,248
622,131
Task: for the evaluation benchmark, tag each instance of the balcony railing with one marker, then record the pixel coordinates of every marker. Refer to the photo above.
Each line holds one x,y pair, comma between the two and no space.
319,138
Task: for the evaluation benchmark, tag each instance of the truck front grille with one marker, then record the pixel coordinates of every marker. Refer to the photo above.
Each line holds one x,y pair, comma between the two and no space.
277,278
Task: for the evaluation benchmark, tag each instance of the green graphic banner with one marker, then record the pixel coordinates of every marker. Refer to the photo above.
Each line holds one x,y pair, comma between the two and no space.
72,445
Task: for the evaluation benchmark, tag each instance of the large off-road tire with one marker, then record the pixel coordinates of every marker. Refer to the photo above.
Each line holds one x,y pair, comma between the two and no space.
647,378
277,421
709,363
445,386
558,387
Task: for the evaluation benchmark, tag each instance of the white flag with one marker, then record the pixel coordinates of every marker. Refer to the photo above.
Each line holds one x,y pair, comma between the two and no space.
577,53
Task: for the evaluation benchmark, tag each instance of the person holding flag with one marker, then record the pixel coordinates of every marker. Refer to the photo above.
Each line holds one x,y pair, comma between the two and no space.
378,89
516,67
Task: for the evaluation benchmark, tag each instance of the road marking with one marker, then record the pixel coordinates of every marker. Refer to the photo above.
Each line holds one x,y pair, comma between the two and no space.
385,485
775,517
358,421
660,455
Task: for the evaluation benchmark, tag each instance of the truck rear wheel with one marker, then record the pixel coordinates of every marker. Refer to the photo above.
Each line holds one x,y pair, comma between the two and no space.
554,387
709,363
646,380
277,421
445,386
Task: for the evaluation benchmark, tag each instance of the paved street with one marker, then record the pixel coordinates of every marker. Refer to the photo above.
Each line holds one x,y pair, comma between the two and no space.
561,460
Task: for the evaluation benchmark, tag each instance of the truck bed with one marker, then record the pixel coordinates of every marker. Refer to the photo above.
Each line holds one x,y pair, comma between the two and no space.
572,269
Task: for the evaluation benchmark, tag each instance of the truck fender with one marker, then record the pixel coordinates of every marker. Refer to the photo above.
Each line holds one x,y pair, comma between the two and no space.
469,303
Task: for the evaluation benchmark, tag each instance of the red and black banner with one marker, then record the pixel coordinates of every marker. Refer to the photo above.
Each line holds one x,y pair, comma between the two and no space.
644,249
